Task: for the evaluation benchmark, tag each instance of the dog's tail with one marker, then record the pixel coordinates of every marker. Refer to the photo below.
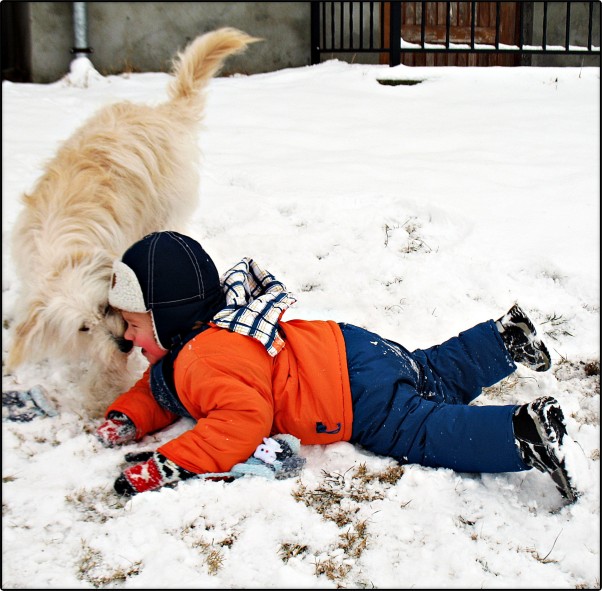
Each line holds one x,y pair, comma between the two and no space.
202,60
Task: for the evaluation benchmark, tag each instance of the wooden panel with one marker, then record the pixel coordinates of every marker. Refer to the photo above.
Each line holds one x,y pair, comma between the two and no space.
436,34
459,33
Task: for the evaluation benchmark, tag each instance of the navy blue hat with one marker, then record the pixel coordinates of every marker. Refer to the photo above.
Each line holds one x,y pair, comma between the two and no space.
171,276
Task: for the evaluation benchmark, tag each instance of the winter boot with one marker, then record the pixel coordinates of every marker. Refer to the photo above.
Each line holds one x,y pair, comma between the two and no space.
539,429
521,340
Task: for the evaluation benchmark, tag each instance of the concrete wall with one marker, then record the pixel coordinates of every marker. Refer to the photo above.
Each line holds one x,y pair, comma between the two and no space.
144,36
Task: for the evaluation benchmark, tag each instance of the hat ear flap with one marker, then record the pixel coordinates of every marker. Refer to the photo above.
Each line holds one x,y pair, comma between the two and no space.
125,292
156,332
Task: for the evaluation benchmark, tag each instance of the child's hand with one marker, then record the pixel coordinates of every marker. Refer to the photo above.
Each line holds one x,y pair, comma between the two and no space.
116,430
153,472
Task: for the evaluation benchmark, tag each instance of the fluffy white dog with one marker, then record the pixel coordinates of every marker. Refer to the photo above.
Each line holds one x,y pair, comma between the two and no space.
129,170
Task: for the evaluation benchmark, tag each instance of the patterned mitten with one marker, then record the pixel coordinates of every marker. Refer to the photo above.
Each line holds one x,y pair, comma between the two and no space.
116,430
23,406
153,472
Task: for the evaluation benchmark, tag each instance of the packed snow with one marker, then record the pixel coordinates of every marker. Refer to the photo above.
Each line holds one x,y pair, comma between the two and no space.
415,211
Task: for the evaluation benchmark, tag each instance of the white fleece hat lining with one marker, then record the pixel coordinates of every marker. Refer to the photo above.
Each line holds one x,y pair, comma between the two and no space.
125,292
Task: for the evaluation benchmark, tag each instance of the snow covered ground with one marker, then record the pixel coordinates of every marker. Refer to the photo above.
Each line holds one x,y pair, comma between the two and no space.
415,211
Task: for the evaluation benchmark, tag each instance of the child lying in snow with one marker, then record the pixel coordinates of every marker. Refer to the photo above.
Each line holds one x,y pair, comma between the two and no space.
220,354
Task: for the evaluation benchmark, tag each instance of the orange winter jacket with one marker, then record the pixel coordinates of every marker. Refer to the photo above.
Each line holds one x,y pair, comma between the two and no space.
238,394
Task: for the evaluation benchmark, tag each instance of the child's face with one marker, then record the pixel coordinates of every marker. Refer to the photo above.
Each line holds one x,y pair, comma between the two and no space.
140,332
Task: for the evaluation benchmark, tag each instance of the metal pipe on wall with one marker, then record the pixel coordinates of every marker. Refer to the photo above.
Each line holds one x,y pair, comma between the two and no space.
80,30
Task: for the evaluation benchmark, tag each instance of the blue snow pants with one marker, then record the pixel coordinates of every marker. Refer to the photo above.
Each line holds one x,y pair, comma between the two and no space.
414,406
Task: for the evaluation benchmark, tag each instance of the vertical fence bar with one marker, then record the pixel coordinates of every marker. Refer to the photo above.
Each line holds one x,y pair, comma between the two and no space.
544,40
568,26
590,26
382,24
473,15
521,40
332,14
361,25
343,23
350,25
447,23
323,25
497,25
338,5
315,33
423,24
395,34
371,25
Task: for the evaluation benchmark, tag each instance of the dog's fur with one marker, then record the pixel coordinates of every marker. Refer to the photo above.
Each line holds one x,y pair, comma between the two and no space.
129,170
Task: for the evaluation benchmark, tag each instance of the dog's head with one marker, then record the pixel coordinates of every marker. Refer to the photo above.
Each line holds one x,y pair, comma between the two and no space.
68,315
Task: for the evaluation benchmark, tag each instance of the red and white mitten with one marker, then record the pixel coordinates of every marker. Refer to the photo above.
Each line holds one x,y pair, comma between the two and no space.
153,472
116,430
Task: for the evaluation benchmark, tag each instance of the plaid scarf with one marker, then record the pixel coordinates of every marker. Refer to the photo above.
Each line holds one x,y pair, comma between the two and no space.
255,301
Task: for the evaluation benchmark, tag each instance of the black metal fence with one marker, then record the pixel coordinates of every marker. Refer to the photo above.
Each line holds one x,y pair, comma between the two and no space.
379,28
